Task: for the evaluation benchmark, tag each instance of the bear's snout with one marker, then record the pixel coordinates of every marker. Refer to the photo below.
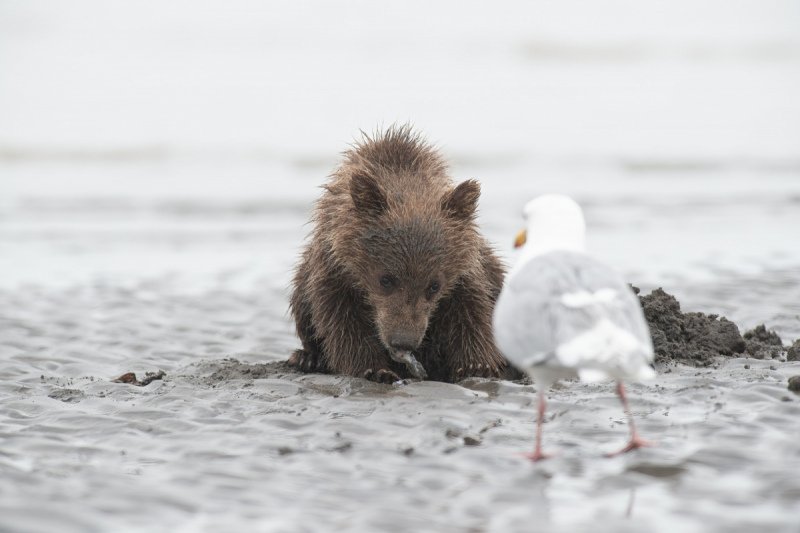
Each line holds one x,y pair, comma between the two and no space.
401,325
404,341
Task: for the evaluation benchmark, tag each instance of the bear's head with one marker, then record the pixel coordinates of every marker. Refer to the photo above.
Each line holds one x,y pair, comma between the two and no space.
408,252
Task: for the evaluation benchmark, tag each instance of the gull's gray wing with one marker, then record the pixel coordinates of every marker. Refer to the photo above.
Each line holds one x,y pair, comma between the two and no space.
566,309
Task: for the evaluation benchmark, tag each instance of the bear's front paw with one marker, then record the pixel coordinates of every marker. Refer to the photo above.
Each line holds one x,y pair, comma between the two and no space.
305,361
381,376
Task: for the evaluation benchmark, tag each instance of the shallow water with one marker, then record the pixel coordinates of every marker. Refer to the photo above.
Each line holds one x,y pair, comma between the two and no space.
152,208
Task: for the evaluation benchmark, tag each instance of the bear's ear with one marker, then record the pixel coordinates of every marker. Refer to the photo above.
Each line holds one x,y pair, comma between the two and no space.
367,195
462,201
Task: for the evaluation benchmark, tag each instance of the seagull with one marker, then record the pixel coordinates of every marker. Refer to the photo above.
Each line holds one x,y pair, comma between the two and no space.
564,314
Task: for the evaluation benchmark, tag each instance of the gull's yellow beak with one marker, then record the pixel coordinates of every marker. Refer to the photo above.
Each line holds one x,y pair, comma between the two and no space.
520,239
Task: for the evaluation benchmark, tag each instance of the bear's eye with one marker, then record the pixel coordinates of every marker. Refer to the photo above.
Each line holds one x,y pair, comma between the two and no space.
387,281
433,288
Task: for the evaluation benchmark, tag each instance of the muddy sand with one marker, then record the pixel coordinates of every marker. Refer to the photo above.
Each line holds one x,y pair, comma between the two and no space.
235,440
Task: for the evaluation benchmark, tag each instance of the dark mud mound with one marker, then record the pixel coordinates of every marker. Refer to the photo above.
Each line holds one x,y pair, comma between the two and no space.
793,353
688,337
699,338
763,344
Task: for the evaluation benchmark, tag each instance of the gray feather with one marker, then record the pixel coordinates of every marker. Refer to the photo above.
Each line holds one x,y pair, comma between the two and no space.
533,321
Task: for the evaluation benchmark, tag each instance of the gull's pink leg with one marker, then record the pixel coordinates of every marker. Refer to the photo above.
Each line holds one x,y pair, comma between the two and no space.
537,454
636,441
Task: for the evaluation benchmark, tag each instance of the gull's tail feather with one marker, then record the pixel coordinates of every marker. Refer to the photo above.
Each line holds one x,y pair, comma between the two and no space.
604,351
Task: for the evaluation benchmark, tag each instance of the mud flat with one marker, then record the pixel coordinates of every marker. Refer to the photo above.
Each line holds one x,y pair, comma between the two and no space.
237,440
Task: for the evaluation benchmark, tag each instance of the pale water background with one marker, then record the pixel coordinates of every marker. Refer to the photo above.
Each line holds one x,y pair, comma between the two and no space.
158,162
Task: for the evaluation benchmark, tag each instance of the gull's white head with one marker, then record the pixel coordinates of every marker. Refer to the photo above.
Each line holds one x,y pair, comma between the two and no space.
554,222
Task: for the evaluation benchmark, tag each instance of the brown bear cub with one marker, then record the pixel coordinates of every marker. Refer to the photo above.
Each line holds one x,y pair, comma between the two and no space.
396,281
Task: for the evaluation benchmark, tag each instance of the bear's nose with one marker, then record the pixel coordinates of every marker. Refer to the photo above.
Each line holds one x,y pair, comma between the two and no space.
403,342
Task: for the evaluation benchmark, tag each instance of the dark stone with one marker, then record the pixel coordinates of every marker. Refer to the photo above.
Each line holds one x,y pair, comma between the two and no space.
471,441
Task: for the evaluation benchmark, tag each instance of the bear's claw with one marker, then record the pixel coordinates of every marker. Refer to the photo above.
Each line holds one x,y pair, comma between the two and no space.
480,370
383,375
305,361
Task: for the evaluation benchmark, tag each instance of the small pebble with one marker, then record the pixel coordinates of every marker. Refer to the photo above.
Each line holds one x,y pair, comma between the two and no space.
747,367
471,441
794,383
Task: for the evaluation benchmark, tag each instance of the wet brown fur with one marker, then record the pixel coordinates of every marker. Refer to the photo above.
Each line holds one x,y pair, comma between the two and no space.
390,211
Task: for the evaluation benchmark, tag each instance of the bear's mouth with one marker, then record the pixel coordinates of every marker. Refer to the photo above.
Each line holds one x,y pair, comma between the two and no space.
408,359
